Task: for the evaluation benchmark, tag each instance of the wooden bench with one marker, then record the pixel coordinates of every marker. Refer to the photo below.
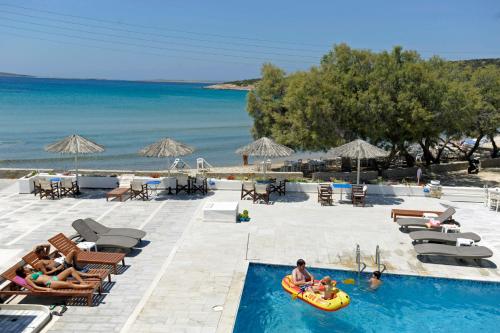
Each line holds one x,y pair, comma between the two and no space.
409,212
117,193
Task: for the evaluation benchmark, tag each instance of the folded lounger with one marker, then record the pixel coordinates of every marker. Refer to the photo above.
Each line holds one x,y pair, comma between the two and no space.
115,242
439,237
406,222
65,245
102,230
462,252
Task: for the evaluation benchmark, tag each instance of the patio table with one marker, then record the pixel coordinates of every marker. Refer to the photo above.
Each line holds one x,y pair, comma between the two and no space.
341,186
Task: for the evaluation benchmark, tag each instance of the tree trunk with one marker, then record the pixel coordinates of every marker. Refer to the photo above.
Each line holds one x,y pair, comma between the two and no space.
429,159
494,153
473,150
441,150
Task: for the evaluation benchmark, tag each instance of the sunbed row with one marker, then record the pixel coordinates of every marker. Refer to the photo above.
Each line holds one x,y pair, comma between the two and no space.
65,247
434,242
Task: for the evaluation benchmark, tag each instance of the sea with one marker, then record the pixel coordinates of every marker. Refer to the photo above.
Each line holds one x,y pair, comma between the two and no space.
123,116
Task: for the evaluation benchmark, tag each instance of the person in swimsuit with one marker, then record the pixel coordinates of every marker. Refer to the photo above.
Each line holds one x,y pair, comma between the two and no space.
42,282
49,266
330,291
301,276
375,281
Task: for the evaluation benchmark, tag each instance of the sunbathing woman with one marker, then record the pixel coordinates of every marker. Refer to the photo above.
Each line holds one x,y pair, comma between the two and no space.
42,282
49,266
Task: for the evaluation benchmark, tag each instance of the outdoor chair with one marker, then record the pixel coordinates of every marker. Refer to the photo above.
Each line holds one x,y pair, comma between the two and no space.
123,243
278,186
199,184
139,190
247,189
325,194
65,245
48,189
182,183
36,186
358,194
261,192
69,187
18,286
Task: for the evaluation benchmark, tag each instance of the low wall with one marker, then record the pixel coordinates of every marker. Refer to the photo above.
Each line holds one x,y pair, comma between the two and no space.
347,176
271,174
491,163
400,173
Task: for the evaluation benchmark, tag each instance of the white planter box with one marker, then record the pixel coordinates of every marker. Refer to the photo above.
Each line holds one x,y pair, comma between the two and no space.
26,185
97,182
226,212
302,187
224,184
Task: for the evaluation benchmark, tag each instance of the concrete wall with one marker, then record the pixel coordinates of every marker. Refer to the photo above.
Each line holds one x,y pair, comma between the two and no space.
250,175
400,173
491,163
347,176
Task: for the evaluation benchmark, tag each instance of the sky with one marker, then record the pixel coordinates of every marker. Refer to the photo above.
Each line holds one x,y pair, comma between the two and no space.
229,40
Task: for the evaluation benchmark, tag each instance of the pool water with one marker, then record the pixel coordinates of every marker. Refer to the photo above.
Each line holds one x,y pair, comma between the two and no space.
402,304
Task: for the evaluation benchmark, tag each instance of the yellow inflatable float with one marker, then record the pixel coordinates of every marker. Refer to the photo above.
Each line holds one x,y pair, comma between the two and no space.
339,301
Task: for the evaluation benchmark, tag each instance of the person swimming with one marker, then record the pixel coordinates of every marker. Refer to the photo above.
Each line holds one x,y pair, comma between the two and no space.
375,281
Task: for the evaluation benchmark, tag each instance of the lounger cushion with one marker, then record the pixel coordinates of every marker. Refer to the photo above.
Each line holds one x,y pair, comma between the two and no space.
471,252
440,237
412,221
21,282
106,231
116,242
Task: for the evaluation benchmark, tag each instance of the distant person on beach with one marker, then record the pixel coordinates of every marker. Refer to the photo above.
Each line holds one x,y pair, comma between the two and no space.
419,175
301,276
375,281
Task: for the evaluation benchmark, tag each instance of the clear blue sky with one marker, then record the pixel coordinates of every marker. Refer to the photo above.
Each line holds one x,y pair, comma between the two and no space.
222,40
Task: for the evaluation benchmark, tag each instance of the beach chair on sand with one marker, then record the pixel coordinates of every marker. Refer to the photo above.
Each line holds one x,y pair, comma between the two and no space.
459,252
64,245
122,243
31,259
444,217
102,230
439,237
17,287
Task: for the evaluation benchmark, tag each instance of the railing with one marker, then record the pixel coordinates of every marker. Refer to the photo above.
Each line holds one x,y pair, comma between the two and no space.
377,260
359,263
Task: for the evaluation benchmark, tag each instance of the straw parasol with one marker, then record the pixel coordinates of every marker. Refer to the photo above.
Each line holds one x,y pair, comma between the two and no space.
75,144
166,147
265,147
358,149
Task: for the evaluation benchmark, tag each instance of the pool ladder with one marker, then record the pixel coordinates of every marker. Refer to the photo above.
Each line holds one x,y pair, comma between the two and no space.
361,265
377,260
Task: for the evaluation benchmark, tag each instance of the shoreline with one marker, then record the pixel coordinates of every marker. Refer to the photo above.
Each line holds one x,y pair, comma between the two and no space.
229,86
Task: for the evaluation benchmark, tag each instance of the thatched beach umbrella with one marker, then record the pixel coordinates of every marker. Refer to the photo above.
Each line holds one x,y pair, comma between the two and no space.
265,147
166,147
75,144
358,149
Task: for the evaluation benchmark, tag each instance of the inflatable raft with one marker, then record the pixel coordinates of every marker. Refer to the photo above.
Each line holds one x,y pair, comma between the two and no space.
340,300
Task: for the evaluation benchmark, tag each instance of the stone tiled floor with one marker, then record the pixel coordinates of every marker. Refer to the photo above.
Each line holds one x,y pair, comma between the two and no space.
190,266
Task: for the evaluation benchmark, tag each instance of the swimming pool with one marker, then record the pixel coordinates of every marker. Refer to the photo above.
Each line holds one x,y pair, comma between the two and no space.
402,304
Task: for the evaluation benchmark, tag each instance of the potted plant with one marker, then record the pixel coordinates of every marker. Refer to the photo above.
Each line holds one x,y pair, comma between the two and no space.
243,217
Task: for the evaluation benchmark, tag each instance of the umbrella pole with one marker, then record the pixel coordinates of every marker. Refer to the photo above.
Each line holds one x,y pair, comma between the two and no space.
76,170
358,171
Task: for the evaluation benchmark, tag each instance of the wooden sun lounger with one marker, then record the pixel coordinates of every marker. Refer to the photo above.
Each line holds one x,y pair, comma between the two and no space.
10,290
411,212
64,245
31,259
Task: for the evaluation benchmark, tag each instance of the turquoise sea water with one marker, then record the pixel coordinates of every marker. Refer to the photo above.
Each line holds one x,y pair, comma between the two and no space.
401,304
123,116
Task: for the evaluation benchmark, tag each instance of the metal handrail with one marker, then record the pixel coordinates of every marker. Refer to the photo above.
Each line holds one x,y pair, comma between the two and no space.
377,260
358,260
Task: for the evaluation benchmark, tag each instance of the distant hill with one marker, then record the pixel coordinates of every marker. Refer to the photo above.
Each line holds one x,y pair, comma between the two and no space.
248,82
477,63
13,75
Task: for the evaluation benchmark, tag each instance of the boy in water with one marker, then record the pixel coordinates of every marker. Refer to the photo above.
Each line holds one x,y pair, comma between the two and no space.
375,281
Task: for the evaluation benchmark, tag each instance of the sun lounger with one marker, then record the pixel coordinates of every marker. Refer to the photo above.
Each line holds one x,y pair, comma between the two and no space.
444,217
31,259
102,230
116,242
462,252
64,245
439,237
396,212
10,275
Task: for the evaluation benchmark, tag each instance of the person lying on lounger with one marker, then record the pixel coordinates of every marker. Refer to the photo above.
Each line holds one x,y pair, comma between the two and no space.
42,282
49,266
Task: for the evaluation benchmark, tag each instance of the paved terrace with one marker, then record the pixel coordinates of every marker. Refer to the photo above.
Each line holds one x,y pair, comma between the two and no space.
173,282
